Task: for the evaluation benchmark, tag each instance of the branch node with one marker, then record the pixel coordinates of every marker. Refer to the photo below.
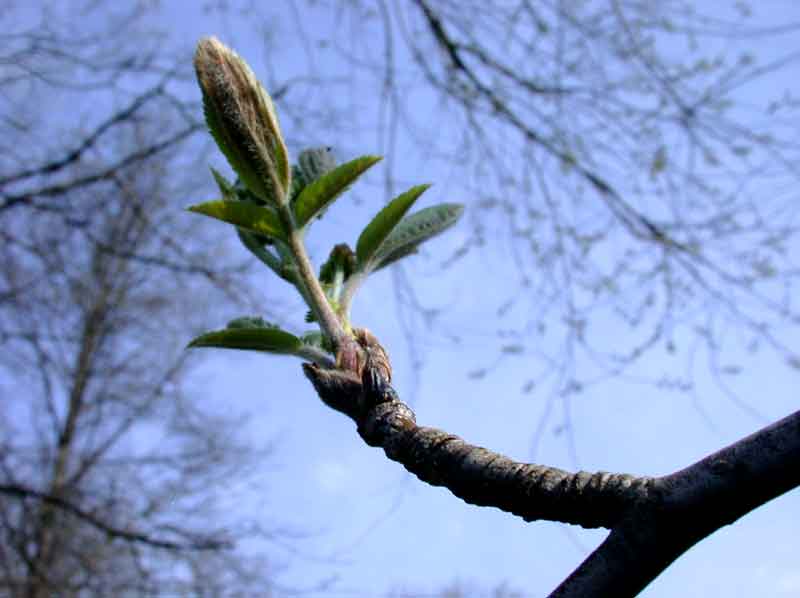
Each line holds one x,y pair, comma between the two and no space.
386,424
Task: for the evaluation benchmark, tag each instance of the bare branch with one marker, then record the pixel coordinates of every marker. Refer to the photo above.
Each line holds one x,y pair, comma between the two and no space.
652,520
637,223
197,544
11,200
475,474
691,505
87,142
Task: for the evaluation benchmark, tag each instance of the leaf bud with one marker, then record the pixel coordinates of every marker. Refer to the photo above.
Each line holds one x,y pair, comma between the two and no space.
241,117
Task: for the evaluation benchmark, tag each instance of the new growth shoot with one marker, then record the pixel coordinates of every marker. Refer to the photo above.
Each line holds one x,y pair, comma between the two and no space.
273,203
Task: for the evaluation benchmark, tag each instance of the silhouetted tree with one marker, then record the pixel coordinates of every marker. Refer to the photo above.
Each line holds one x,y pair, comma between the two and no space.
108,467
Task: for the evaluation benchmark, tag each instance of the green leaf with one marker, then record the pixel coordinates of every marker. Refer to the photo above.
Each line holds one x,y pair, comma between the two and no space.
271,340
414,230
243,214
239,160
312,163
341,259
226,188
314,338
375,233
251,322
297,184
254,246
319,194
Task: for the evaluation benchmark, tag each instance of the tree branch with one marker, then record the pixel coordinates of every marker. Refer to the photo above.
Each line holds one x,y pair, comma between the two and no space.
693,503
652,520
115,532
10,200
475,474
637,223
88,142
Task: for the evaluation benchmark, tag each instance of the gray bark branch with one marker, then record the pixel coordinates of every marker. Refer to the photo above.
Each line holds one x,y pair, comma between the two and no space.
652,520
473,473
693,503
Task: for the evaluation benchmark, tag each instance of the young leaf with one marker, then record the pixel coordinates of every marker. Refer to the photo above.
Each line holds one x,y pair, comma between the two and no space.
241,117
311,164
375,233
229,147
243,214
297,184
251,322
253,244
319,194
341,259
271,340
242,193
414,230
314,162
226,188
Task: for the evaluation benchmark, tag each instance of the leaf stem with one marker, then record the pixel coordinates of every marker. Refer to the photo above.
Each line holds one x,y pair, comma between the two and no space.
264,255
316,355
314,294
353,283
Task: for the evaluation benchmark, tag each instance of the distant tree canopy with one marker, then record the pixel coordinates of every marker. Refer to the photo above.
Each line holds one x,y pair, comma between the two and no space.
634,164
652,521
107,465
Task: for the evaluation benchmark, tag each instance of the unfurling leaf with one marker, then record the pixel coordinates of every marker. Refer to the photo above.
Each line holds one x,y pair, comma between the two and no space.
313,163
341,259
226,188
242,119
269,339
254,245
249,216
374,235
320,193
414,230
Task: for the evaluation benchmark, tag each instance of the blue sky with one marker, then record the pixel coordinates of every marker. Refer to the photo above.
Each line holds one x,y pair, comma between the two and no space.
359,519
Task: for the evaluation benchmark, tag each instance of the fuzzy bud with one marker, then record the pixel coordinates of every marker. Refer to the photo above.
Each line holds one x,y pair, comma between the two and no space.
242,119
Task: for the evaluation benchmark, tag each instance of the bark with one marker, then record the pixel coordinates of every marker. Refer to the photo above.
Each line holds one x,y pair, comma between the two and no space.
652,520
46,533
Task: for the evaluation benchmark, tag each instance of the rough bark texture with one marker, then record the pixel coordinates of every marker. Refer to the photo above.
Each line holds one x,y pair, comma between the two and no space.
694,503
652,520
475,474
